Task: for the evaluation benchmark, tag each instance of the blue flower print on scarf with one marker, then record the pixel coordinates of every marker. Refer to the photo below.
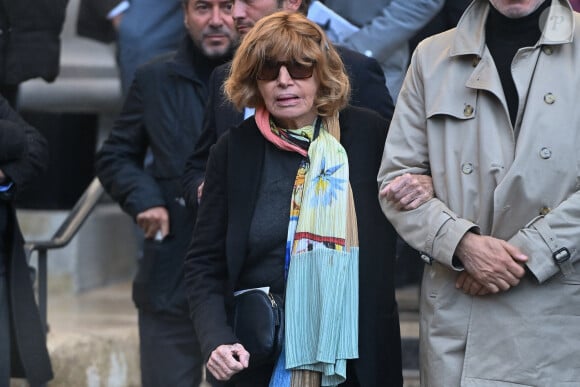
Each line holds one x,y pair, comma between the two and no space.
326,185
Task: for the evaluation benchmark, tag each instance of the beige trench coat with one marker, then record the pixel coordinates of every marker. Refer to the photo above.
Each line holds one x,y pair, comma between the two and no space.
520,184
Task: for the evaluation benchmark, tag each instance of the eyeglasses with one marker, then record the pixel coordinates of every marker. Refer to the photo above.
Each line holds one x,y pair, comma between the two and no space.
270,70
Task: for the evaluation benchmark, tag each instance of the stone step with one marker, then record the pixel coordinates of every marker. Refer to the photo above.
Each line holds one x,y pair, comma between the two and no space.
93,339
88,81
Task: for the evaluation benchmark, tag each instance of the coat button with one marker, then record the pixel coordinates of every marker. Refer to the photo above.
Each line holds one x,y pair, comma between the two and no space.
468,110
549,98
547,50
426,258
545,153
475,61
545,211
467,168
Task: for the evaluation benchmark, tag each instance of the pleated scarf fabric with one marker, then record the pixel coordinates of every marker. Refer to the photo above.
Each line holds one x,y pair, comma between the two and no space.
321,305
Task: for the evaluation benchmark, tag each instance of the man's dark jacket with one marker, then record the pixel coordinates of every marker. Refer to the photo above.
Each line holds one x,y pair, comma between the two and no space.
30,39
23,156
215,260
163,111
368,90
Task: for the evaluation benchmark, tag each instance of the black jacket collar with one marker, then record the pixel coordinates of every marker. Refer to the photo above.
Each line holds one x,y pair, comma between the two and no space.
190,62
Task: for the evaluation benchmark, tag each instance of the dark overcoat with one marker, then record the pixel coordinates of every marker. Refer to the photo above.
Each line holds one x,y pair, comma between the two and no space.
23,156
30,39
92,20
163,113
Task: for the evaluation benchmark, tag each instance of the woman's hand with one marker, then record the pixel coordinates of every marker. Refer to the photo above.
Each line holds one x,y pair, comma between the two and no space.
227,360
408,191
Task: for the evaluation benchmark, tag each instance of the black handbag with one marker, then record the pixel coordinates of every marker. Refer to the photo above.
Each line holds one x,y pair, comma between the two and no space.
258,322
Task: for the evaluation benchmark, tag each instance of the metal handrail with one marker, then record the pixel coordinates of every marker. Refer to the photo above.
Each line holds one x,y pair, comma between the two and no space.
68,229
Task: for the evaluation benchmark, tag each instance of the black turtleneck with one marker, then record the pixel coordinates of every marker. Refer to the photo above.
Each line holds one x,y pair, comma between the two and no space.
504,37
204,65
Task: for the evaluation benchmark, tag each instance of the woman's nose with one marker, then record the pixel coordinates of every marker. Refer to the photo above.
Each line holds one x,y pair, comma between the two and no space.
284,76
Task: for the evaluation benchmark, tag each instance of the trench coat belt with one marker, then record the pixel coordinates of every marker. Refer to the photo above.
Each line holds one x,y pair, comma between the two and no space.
561,255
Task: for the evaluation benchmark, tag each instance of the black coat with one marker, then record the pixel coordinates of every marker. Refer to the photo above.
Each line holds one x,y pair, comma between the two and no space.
163,112
92,20
30,39
24,155
368,90
216,256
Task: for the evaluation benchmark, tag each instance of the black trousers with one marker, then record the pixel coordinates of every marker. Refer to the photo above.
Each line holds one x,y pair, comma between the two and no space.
169,349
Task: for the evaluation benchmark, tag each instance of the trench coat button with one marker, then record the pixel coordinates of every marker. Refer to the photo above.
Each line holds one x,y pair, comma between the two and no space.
467,168
468,111
545,211
549,98
427,259
475,61
547,50
545,153
368,53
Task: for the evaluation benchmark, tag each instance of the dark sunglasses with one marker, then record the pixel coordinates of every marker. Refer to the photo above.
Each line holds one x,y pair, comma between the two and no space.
270,70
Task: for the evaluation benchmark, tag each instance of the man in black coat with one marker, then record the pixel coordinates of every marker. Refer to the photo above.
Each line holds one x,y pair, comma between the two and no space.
163,113
366,77
23,353
29,42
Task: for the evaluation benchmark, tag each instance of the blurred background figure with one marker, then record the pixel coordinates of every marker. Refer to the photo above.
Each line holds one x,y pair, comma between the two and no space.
163,113
143,29
383,30
445,19
29,42
23,353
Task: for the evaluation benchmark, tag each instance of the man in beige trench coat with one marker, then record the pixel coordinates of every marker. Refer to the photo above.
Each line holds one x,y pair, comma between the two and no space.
491,111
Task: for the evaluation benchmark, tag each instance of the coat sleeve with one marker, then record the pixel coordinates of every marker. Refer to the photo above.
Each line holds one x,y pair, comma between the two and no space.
432,228
120,160
205,268
12,140
545,235
194,171
400,20
28,146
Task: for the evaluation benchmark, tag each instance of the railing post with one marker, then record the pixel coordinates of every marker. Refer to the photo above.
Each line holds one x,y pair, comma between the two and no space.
42,287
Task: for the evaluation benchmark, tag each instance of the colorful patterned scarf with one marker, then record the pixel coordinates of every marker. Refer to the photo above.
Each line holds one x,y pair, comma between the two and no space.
321,305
